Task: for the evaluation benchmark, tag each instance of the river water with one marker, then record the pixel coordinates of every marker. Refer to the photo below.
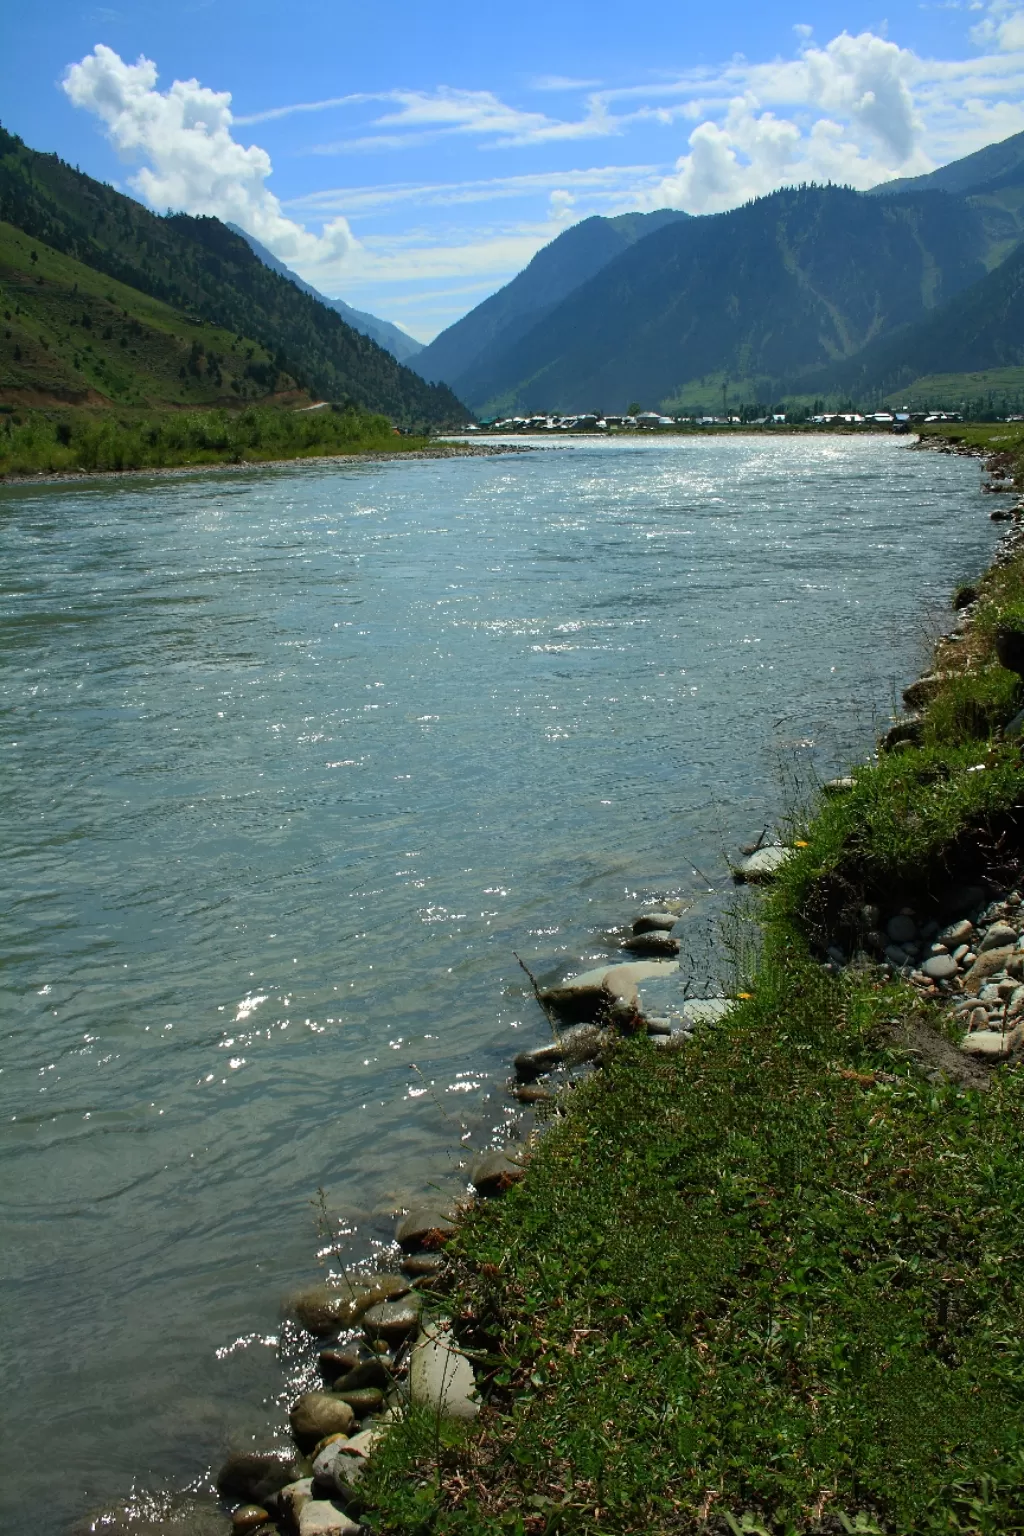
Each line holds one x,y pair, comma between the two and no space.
292,761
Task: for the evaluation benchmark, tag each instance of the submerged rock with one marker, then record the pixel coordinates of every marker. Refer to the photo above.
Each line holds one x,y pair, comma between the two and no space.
324,1309
572,1048
655,922
252,1476
394,1319
426,1263
584,996
655,942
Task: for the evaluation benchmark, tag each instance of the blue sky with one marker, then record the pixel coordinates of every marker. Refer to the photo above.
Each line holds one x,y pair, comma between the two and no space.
412,158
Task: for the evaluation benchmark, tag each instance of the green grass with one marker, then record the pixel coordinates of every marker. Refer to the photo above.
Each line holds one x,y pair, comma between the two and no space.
774,1281
48,441
950,391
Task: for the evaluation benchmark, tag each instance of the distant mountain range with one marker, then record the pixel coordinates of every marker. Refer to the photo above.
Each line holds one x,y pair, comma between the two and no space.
386,335
776,298
201,274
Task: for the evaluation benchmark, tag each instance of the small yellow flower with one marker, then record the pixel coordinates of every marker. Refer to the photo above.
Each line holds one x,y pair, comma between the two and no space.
799,844
744,996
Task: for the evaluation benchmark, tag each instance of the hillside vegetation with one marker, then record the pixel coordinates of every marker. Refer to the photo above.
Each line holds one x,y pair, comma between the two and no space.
199,268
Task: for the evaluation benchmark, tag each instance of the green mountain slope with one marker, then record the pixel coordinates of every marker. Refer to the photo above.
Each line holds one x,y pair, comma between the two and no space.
786,284
386,335
970,174
980,329
198,267
501,320
72,336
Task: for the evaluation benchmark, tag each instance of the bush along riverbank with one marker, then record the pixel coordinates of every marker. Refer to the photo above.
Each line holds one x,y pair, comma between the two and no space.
763,1269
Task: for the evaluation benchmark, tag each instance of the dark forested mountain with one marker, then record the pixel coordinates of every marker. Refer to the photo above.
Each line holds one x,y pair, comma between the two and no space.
741,300
500,321
386,335
200,268
982,328
971,174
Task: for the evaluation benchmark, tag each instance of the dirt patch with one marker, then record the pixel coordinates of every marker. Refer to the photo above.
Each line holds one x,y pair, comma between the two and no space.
936,1057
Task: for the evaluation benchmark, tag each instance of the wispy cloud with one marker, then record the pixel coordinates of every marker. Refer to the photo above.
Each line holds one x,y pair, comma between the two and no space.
607,183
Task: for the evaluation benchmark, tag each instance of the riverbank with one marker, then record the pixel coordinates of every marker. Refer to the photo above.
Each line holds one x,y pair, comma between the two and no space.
772,1279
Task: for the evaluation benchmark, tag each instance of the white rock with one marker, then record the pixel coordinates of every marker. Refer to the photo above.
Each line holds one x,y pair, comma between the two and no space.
764,864
620,980
989,1042
321,1517
440,1376
706,1010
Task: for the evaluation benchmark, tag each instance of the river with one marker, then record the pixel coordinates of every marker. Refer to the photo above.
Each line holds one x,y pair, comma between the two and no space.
292,761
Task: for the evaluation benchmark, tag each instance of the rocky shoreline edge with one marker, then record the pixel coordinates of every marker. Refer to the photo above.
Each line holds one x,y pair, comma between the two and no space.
443,450
386,1339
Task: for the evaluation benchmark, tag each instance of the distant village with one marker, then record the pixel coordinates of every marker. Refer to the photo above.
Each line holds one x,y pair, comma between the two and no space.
652,421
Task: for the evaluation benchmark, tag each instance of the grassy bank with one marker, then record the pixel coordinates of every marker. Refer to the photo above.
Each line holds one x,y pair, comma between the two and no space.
33,442
772,1281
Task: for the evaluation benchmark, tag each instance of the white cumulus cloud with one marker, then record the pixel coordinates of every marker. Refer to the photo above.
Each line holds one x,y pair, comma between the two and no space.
191,160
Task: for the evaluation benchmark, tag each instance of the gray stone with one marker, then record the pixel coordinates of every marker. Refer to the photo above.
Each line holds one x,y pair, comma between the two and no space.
651,922
426,1226
345,1357
364,1400
323,1517
291,1501
572,1048
763,865
440,1376
921,692
394,1319
426,1263
940,968
896,955
840,786
323,1463
324,1309
373,1372
494,1171
622,983
901,929
978,1019
999,936
252,1476
907,732
985,965
319,1414
706,1010
363,1443
990,995
961,952
654,943
996,1044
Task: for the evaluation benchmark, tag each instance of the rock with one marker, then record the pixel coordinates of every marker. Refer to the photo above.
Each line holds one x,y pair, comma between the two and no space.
323,1309
1010,648
706,1010
901,929
363,1443
572,1048
652,922
374,1372
493,1172
763,865
961,952
654,943
345,1357
323,1462
394,1319
440,1376
292,1500
252,1476
999,936
839,786
978,1019
986,965
249,1518
905,733
364,1400
622,982
896,955
995,1044
964,597
528,1093
426,1263
921,692
426,1226
584,996
940,968
659,1026
317,1414
322,1517
347,1471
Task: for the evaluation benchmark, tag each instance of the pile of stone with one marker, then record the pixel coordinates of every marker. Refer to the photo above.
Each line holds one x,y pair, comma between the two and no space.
974,965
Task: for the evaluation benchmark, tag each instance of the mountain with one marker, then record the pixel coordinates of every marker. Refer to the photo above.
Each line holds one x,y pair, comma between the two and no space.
74,336
738,301
500,321
382,332
971,174
980,329
200,269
